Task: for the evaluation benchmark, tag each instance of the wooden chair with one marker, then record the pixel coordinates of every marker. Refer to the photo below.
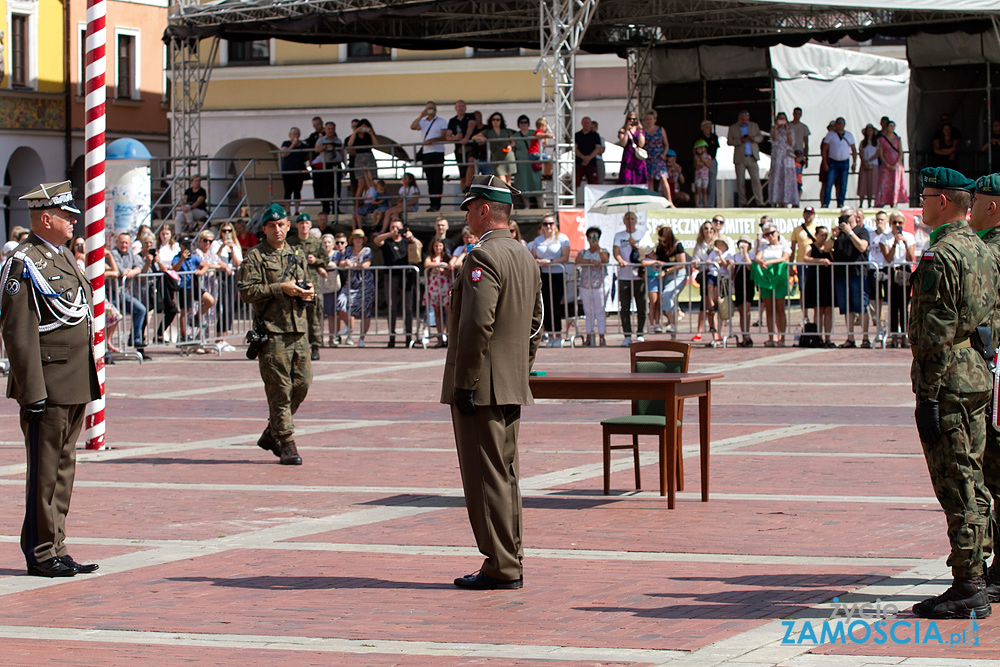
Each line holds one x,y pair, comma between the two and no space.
648,417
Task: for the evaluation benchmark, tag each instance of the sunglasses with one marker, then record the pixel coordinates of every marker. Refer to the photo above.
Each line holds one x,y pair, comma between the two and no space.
770,233
548,224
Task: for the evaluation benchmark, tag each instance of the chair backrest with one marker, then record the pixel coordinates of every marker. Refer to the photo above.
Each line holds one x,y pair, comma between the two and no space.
658,356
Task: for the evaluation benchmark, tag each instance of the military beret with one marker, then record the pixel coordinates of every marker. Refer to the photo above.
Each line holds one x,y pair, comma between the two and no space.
272,212
943,178
303,217
491,188
52,195
989,185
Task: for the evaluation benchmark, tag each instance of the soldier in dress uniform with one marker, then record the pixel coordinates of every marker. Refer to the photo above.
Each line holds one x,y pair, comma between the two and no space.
954,292
496,311
310,249
47,327
272,279
985,220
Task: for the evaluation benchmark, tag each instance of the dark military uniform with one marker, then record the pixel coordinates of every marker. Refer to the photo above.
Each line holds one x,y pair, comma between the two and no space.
47,331
495,310
314,309
284,360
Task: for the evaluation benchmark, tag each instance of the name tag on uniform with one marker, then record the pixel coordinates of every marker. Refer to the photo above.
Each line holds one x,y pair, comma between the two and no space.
476,275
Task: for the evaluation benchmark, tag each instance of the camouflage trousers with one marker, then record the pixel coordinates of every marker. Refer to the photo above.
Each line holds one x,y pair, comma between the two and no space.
287,372
991,472
955,464
314,315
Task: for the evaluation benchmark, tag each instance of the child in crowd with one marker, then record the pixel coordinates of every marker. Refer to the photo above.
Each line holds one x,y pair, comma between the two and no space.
591,285
535,145
408,196
376,204
469,240
720,262
676,179
702,167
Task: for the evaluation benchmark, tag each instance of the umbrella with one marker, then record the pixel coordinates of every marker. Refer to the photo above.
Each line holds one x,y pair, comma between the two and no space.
630,198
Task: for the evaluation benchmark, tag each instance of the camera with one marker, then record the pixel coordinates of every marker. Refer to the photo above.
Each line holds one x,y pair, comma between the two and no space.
255,340
302,284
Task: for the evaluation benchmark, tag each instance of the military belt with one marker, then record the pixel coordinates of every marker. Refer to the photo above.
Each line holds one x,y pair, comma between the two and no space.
963,344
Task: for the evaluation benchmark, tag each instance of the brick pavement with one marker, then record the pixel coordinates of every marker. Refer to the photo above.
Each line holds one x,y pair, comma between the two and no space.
213,554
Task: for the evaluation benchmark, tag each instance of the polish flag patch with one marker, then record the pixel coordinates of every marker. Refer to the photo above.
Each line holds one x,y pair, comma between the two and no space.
476,275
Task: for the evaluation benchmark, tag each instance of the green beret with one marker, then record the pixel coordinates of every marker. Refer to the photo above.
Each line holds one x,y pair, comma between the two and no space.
303,217
943,178
272,212
493,188
989,185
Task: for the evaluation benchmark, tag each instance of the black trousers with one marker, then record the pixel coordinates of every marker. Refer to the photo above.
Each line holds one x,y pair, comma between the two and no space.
628,290
400,300
553,289
899,302
433,164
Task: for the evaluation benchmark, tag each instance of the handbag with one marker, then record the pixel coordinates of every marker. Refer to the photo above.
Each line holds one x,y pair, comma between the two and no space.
641,153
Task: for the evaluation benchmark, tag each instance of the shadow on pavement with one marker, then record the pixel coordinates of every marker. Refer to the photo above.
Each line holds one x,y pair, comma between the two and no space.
276,583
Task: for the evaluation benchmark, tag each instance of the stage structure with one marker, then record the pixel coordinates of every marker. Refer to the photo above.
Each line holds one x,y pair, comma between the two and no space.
559,28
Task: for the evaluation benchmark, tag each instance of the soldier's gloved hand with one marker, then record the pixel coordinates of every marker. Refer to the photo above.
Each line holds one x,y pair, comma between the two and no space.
33,412
928,418
464,401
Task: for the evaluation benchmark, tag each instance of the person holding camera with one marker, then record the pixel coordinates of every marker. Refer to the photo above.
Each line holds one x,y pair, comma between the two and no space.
400,286
632,139
273,280
850,247
954,297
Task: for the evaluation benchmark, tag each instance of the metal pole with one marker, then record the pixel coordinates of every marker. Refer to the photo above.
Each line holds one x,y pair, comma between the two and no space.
96,97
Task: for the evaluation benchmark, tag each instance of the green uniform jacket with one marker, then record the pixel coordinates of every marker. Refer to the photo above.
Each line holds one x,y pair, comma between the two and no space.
259,283
954,291
56,365
310,246
495,307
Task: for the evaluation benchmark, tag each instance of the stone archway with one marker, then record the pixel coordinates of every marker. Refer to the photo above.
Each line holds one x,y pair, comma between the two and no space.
24,171
230,160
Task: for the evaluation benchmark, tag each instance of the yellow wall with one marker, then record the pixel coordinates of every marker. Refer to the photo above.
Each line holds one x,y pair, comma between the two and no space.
47,49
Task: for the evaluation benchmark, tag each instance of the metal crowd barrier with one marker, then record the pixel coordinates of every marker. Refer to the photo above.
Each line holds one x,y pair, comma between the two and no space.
381,302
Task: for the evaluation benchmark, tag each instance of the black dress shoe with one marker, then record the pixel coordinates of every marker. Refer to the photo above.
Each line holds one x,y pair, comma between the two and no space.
79,567
53,567
315,354
483,582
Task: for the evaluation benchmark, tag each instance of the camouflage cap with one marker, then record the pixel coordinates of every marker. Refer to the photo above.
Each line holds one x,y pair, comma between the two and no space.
988,185
303,217
943,178
272,212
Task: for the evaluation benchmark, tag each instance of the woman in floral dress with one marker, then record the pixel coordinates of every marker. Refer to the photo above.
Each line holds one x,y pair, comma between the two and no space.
656,146
630,136
891,180
782,185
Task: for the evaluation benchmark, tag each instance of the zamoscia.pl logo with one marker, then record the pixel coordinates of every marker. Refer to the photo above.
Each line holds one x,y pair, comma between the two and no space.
874,623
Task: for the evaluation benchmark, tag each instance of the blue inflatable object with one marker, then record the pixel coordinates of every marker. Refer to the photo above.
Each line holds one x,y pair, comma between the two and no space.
127,149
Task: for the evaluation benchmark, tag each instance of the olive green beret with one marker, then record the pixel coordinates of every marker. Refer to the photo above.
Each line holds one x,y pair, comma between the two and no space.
303,217
943,178
272,212
989,185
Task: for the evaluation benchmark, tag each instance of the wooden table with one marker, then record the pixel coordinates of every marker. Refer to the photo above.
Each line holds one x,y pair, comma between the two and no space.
671,388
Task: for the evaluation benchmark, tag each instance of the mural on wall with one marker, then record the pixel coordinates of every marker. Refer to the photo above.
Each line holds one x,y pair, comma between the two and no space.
31,113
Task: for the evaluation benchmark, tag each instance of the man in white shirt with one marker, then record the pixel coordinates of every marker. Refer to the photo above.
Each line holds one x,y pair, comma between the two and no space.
800,135
434,132
625,249
840,156
898,249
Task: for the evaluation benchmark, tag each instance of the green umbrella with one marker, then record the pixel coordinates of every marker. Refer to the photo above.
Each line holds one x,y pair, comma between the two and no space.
630,198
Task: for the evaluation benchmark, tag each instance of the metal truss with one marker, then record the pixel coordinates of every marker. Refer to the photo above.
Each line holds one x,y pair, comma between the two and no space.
640,79
563,24
189,76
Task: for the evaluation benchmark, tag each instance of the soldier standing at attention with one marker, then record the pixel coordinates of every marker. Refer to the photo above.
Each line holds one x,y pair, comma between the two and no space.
496,309
271,279
986,221
47,328
310,249
954,292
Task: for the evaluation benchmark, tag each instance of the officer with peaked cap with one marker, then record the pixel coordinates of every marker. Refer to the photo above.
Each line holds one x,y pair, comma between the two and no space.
954,292
985,220
496,310
47,327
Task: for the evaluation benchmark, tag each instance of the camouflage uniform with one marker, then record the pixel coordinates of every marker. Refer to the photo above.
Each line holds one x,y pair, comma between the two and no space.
284,360
954,291
991,457
314,309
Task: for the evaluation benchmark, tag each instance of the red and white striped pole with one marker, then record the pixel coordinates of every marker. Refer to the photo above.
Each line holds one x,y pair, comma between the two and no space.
94,210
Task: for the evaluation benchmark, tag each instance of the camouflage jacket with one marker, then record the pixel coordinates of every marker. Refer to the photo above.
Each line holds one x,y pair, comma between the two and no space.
992,240
259,282
304,248
954,291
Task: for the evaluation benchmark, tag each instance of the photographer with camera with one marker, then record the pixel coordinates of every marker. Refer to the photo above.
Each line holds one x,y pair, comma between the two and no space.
273,280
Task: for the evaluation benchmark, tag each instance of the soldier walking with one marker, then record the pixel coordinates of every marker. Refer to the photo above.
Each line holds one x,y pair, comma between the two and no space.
985,220
47,328
954,292
271,279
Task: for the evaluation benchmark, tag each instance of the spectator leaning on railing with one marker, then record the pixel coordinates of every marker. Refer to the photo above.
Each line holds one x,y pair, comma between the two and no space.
130,266
631,283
